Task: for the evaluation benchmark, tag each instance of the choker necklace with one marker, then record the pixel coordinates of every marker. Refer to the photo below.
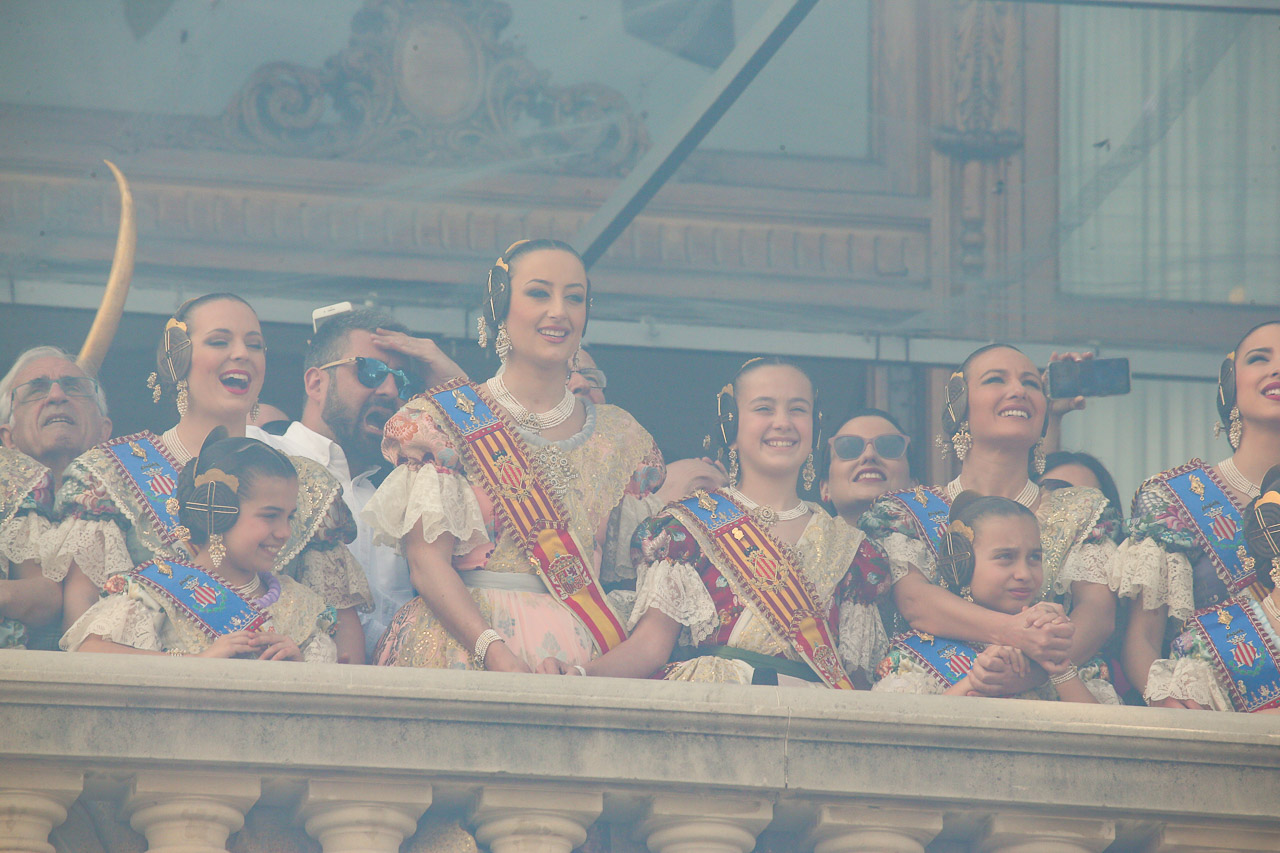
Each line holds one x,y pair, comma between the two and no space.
1027,497
535,421
767,516
249,590
1232,477
175,446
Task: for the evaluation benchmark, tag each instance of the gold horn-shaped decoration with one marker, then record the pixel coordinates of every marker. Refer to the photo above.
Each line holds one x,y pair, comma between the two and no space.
108,318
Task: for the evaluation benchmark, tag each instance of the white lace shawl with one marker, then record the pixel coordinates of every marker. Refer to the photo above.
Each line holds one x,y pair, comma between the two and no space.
443,501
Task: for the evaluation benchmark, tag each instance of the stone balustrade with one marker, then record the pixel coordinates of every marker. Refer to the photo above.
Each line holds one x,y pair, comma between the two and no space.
359,758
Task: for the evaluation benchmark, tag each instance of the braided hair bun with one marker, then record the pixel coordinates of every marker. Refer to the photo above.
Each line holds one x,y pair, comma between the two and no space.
212,486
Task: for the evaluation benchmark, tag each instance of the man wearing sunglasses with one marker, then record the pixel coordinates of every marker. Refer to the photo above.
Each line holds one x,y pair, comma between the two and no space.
866,458
361,367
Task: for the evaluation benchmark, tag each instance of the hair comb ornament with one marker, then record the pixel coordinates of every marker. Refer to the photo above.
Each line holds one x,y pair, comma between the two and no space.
215,475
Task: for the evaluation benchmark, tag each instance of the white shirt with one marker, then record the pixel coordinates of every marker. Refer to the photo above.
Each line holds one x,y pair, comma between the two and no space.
387,571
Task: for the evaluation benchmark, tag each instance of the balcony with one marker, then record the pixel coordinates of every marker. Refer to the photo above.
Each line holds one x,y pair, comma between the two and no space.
359,758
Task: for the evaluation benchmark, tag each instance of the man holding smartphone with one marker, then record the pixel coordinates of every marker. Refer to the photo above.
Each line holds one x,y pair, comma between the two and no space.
361,366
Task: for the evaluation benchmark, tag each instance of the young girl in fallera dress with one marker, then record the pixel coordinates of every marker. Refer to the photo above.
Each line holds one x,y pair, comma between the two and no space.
991,556
236,501
727,575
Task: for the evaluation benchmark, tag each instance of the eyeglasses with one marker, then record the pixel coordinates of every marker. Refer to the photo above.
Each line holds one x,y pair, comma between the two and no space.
593,376
373,372
38,389
889,446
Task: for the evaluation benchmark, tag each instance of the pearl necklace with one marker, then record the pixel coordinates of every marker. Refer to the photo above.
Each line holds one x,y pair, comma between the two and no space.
1232,477
767,516
1027,497
537,422
175,446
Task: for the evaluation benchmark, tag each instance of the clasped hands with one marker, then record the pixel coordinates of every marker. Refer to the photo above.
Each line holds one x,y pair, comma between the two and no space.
1040,634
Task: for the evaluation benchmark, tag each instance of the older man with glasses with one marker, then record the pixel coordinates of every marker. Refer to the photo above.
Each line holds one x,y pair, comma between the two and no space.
361,366
51,411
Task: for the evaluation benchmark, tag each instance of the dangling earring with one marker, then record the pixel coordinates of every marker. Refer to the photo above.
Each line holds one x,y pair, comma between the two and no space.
183,399
1039,457
966,592
962,441
482,332
254,410
1275,571
153,382
807,472
502,343
574,360
733,467
216,550
1236,431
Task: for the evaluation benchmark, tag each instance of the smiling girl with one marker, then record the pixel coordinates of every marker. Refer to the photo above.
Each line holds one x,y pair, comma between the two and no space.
117,505
755,585
995,419
991,556
236,501
1185,549
513,498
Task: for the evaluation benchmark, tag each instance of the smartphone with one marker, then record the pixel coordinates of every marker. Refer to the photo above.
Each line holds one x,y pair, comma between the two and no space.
328,311
1094,377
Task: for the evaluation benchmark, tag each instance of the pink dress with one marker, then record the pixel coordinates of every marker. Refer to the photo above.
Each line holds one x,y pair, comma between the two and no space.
604,476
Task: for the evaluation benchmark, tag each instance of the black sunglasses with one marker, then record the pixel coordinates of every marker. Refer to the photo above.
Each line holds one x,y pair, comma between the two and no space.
373,372
889,446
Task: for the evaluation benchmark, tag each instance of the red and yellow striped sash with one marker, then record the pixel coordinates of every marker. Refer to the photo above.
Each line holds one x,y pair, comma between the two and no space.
767,579
501,459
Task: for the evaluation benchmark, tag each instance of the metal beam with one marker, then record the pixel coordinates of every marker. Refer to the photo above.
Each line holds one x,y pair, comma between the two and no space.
777,22
1248,7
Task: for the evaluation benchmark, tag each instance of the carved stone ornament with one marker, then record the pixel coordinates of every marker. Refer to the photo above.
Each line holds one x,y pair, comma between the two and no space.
429,82
979,74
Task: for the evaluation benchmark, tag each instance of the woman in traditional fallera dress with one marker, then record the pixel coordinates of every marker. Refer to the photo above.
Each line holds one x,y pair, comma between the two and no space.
991,555
235,502
115,505
1185,549
512,499
994,420
26,505
722,573
1228,659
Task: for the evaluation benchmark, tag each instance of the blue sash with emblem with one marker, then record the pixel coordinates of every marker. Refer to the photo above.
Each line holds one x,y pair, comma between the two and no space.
928,508
202,596
153,476
1218,524
946,660
1243,654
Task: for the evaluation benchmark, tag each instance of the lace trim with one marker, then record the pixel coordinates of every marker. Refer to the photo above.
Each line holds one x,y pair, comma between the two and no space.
20,539
863,642
97,547
121,619
911,681
678,591
629,514
1186,678
623,602
320,649
337,577
1087,563
444,503
904,552
1143,570
1102,690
